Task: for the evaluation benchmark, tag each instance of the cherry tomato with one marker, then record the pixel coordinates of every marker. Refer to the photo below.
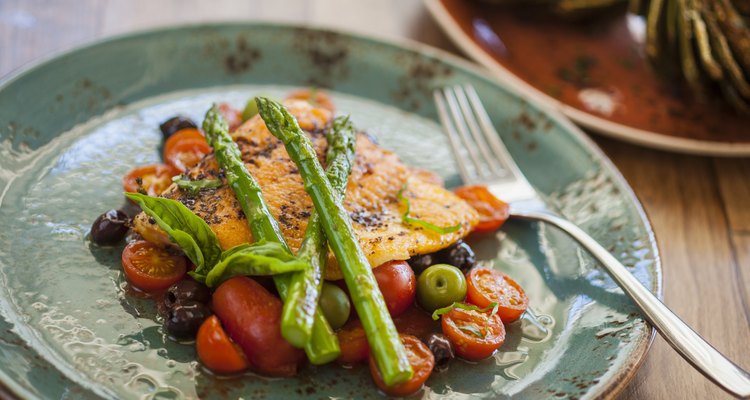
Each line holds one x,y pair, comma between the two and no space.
474,335
493,212
416,322
353,343
398,284
185,149
252,318
422,362
314,97
154,179
149,267
232,115
487,285
217,351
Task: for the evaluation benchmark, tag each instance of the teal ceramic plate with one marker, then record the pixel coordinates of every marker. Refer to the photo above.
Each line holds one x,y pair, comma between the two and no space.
73,125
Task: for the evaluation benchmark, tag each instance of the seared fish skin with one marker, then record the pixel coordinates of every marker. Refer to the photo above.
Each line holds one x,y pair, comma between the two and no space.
371,196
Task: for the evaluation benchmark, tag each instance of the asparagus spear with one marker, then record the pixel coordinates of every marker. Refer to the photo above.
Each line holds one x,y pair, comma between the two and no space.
305,286
382,336
323,344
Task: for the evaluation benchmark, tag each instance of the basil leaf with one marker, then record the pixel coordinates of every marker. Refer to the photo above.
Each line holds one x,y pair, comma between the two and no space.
261,258
445,310
473,329
193,186
415,221
186,229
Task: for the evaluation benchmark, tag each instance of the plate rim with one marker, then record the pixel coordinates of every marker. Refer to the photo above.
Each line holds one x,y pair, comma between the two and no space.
600,125
625,374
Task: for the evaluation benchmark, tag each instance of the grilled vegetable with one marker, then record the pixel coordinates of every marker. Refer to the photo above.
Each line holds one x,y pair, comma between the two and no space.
323,344
305,286
386,349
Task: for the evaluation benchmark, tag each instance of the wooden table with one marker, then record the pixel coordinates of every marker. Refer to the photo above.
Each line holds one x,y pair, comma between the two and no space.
699,206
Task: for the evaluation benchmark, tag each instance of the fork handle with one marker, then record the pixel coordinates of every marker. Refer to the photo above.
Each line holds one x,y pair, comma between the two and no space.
704,357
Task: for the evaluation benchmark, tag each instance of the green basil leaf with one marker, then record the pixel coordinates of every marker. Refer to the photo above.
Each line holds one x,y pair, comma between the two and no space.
473,329
445,310
193,186
186,229
415,221
261,258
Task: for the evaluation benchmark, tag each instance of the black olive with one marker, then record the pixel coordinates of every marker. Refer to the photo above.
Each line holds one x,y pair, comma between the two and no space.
459,255
174,124
186,290
184,319
442,349
421,262
110,227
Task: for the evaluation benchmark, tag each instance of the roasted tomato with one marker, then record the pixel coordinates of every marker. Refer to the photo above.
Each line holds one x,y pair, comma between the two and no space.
314,97
154,179
217,351
232,115
474,335
353,343
185,149
416,322
493,212
149,267
422,362
487,286
252,318
398,284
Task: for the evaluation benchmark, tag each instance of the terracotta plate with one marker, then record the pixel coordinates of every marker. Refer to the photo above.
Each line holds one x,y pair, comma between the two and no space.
596,74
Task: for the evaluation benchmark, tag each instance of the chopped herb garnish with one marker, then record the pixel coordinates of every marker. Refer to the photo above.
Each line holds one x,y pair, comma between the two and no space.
473,329
415,221
440,311
193,186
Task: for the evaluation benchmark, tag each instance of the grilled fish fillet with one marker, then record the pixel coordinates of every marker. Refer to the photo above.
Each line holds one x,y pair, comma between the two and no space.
371,195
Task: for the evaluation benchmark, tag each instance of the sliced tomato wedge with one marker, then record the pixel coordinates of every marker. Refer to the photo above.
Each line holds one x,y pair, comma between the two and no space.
493,212
314,97
154,179
486,286
217,351
149,267
185,149
422,362
473,334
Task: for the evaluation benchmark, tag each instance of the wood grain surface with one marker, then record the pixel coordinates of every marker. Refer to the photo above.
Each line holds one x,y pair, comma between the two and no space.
699,206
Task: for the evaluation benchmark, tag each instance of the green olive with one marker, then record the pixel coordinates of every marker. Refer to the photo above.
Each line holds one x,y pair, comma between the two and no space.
439,286
335,305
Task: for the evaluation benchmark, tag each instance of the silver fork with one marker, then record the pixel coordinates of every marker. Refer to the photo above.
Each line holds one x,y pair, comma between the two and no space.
489,163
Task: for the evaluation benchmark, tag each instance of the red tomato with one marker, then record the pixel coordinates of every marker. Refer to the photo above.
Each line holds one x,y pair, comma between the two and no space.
474,335
353,343
252,318
422,361
493,212
185,148
314,97
487,285
217,351
232,115
154,179
398,284
416,322
149,267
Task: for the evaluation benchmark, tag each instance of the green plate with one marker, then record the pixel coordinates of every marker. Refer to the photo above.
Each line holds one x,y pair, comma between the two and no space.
72,126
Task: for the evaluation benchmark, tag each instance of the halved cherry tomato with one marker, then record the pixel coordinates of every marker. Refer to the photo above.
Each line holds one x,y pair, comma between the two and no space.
314,97
473,334
493,212
416,322
149,267
422,362
398,284
232,115
486,286
353,343
252,318
217,351
185,148
154,179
